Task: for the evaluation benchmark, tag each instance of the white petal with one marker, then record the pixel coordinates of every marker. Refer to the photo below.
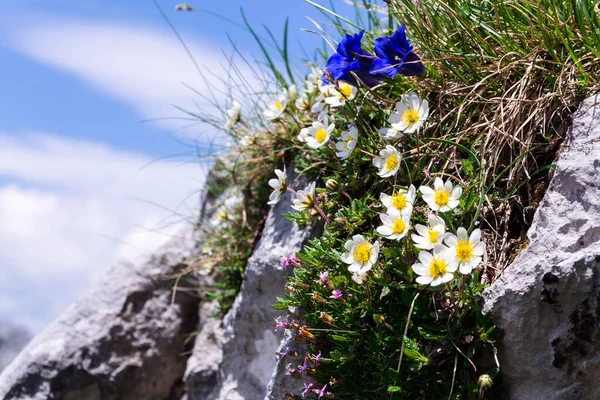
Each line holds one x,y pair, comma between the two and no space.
420,269
422,230
424,280
461,233
479,249
448,186
475,236
425,257
450,239
438,184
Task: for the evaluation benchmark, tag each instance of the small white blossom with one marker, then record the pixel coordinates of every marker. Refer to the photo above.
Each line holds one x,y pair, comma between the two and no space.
349,140
388,161
303,103
411,113
303,135
467,250
338,95
360,254
313,80
443,197
430,235
400,199
395,223
305,199
437,268
234,114
390,133
279,186
248,139
359,277
276,107
318,134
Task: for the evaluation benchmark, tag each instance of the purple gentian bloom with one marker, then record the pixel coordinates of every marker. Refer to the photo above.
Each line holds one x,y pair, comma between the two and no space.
322,391
336,294
395,56
307,387
351,58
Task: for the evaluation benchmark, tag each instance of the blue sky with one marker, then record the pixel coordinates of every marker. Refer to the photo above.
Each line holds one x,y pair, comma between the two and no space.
79,176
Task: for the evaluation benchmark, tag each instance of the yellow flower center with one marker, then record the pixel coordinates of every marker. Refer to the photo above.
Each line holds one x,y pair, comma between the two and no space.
441,197
391,162
399,226
411,116
278,105
464,251
345,90
363,252
309,202
222,216
321,135
399,201
432,235
437,268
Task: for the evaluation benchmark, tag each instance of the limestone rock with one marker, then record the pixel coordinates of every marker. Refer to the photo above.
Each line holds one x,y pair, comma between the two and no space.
547,301
123,340
249,342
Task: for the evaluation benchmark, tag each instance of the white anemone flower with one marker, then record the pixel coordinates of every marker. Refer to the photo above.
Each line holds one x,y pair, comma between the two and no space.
318,134
346,146
411,113
305,199
303,135
276,107
443,197
313,80
248,140
359,277
390,133
388,161
395,223
325,91
340,93
279,186
437,268
303,103
467,250
400,199
430,235
234,114
292,92
360,254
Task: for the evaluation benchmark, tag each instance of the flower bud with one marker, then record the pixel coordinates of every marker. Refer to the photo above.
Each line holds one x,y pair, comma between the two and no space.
332,185
485,382
318,298
328,319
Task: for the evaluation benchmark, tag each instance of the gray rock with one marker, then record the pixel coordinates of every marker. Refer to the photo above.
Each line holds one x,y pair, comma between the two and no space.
249,342
124,339
281,382
547,301
12,340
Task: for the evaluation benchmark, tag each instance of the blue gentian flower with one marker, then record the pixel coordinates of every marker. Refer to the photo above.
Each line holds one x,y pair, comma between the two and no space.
351,58
395,56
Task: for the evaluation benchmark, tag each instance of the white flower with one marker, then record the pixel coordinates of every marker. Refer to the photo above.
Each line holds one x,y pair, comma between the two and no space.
292,92
303,103
313,79
360,254
467,250
390,133
437,268
411,113
303,135
431,234
279,186
305,199
324,91
233,115
400,199
248,139
442,197
388,161
395,223
318,134
338,95
276,107
348,142
359,277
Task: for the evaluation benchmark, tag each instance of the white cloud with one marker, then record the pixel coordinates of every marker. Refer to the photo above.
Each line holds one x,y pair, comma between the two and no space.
69,211
142,66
